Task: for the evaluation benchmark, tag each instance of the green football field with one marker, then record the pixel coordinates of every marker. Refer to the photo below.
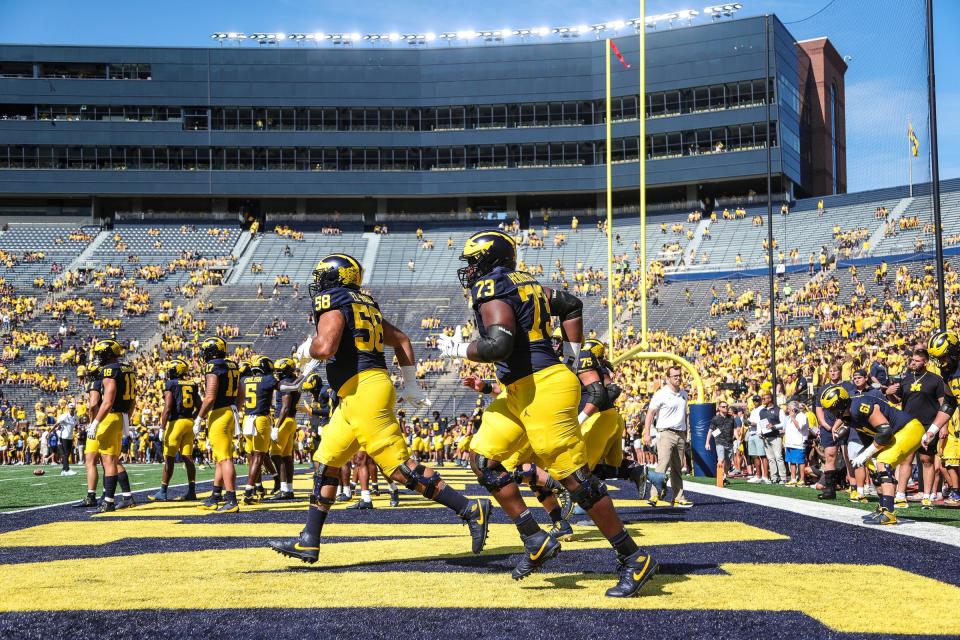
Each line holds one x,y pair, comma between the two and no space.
20,489
942,515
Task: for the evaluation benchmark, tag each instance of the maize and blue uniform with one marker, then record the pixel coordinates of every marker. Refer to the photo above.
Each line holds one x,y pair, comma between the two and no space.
111,428
907,431
178,432
364,418
288,428
537,407
257,398
221,420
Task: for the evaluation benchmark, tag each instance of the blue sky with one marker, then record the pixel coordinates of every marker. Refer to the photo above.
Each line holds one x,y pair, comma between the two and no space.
885,84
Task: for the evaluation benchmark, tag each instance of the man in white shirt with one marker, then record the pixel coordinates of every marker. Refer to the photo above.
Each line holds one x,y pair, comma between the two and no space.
67,423
669,407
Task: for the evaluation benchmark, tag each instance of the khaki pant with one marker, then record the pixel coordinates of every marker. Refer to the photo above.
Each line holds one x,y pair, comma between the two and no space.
671,447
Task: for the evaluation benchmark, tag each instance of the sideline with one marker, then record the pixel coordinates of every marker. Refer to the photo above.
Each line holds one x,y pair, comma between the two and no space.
835,513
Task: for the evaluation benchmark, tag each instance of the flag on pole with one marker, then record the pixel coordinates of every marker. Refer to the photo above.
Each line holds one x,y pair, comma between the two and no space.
914,142
613,45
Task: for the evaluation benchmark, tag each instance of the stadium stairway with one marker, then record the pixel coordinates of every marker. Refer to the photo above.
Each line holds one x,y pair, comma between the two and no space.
85,256
878,234
370,255
244,251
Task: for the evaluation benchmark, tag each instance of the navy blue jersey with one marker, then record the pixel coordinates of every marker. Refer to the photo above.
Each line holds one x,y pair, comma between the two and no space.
532,350
361,344
228,380
186,399
126,379
257,394
860,409
585,363
280,395
324,402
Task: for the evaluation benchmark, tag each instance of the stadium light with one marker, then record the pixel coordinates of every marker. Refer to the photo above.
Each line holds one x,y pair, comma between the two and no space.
723,10
394,36
466,35
616,25
543,31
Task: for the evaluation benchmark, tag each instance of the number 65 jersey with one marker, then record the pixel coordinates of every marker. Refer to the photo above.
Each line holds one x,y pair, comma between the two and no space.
532,350
361,343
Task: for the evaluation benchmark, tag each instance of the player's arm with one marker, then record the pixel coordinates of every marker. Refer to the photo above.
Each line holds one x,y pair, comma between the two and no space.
286,408
402,347
594,393
93,402
167,407
241,397
946,406
501,325
881,440
329,330
108,398
569,308
480,385
211,384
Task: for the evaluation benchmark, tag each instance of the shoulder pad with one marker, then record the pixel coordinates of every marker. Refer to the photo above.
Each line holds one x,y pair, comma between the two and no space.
230,364
495,284
955,386
170,384
331,299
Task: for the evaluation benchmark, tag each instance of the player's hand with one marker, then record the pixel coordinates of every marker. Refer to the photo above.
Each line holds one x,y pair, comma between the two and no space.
275,434
92,429
197,425
451,346
302,354
928,437
860,460
414,396
474,382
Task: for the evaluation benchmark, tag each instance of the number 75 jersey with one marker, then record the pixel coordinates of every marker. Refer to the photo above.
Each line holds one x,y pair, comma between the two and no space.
361,343
532,350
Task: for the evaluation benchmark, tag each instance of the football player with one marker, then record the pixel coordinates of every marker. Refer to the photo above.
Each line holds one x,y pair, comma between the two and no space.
181,401
91,456
890,435
257,386
828,439
350,335
284,428
944,348
221,382
539,404
112,420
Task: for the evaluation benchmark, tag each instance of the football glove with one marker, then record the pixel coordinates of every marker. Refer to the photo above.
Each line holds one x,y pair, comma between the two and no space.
275,434
302,354
864,455
296,385
92,429
197,425
236,421
451,346
410,392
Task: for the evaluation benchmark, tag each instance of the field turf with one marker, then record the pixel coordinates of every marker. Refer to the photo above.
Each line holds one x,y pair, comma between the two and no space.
728,569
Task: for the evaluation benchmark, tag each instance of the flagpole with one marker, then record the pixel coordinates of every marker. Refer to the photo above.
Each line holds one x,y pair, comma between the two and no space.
910,156
609,163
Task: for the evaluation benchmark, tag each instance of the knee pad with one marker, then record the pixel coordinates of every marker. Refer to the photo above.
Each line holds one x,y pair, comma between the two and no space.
321,480
885,474
591,491
491,474
417,476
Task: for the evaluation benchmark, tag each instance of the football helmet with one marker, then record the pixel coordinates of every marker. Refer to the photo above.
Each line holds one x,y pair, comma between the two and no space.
336,270
313,382
93,372
244,369
285,368
106,351
483,252
597,348
261,364
835,399
944,346
176,369
212,348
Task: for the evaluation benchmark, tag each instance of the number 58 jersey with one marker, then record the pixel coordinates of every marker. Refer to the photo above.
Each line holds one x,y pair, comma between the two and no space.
361,343
532,350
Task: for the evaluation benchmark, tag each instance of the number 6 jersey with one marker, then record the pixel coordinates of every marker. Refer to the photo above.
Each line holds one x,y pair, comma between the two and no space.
361,343
532,350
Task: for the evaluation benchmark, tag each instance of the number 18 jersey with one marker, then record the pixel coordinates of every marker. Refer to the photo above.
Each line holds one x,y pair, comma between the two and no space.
361,343
126,379
532,350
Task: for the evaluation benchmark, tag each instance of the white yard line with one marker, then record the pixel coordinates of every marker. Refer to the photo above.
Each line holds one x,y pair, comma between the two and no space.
833,512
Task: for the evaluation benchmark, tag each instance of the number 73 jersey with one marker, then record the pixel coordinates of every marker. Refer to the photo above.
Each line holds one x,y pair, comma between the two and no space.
532,350
126,379
361,343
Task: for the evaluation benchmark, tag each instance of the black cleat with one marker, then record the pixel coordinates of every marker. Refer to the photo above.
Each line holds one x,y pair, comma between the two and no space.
376,491
361,504
250,499
829,493
159,496
342,497
187,497
105,507
126,502
230,506
281,496
566,503
561,531
305,548
635,571
87,503
210,504
478,521
539,548
394,498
